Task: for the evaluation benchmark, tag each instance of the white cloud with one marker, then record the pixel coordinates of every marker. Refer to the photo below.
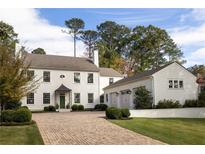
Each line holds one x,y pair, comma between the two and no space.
197,57
189,35
35,31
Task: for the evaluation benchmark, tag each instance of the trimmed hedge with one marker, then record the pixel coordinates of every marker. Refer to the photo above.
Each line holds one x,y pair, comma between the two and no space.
125,113
80,108
50,108
100,107
8,115
76,107
168,104
113,113
20,115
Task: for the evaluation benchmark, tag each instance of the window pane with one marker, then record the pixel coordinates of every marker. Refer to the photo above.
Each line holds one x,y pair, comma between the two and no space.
77,77
77,97
46,98
30,73
170,84
90,77
46,76
90,98
30,98
175,83
111,80
181,84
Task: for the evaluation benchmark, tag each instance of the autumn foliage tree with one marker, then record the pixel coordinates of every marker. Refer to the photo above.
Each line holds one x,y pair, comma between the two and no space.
14,81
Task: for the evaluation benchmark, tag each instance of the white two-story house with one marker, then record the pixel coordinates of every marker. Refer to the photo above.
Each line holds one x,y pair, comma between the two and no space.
65,81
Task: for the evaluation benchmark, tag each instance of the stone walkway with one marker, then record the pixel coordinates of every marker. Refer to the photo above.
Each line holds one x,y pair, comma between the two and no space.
85,128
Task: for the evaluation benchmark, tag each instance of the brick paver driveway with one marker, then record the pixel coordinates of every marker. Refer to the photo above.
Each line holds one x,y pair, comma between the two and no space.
85,128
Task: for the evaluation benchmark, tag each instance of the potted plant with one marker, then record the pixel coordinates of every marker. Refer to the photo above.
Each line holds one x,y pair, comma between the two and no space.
57,106
68,106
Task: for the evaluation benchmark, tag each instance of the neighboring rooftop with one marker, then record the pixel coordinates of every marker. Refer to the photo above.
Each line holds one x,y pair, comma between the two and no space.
109,72
136,77
201,80
60,63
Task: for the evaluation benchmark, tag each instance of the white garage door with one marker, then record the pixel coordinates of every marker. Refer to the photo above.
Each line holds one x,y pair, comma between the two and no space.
125,101
113,100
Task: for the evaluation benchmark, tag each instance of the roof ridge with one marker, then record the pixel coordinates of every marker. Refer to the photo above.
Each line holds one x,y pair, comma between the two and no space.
56,55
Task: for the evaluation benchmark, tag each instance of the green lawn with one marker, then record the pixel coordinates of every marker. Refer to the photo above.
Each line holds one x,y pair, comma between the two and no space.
23,135
168,130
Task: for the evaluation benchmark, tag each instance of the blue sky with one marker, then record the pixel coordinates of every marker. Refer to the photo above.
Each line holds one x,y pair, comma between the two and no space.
42,27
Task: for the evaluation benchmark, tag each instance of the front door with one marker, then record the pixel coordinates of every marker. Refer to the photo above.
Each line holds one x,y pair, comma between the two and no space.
62,101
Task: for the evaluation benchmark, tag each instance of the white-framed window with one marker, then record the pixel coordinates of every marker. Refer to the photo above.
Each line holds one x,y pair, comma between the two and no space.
30,98
30,73
111,80
181,84
46,76
46,98
77,77
90,77
170,84
90,97
76,97
175,84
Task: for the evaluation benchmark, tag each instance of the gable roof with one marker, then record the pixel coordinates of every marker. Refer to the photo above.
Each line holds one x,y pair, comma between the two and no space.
62,88
109,72
55,62
137,76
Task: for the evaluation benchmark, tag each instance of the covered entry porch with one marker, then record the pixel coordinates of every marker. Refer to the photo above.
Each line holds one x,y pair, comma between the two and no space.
63,97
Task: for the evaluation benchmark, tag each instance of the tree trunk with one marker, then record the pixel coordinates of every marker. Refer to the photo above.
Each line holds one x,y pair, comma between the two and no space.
74,45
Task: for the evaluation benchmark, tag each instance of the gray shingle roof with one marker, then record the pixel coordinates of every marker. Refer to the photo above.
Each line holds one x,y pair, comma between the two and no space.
61,63
109,72
62,88
136,77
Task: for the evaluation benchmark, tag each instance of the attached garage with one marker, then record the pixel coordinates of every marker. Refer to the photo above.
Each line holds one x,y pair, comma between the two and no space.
161,82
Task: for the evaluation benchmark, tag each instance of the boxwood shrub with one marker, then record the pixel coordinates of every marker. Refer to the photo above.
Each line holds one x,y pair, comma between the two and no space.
168,104
22,115
74,107
113,113
125,112
80,108
100,107
8,115
50,108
